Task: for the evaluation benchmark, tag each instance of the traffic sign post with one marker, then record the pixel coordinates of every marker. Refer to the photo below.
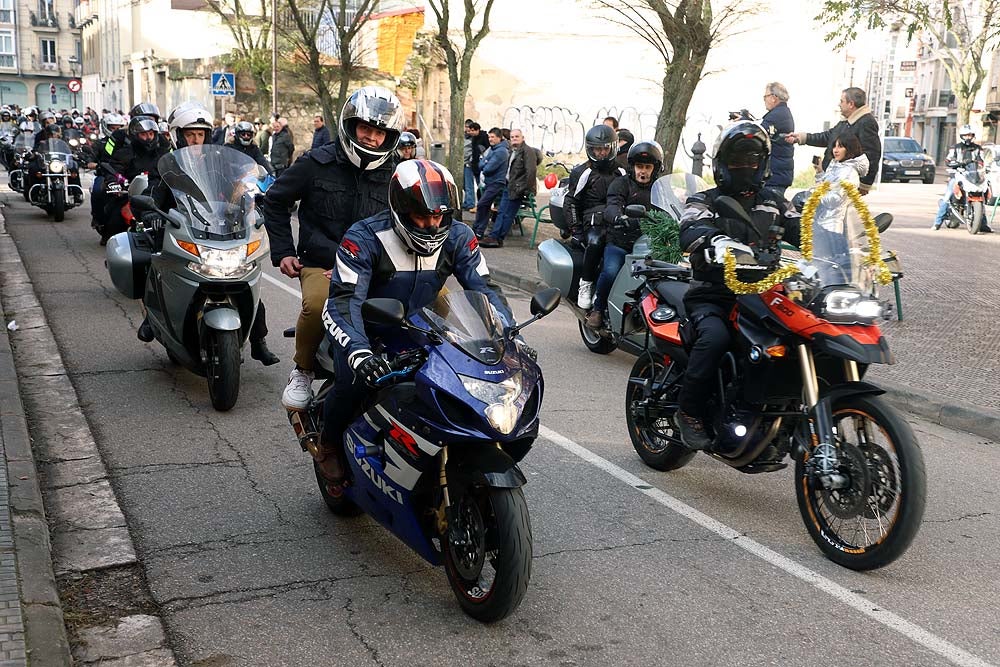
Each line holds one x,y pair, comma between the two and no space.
223,84
75,86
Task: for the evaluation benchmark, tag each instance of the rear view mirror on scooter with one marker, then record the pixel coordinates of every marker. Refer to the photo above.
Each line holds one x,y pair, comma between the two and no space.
635,211
138,185
545,301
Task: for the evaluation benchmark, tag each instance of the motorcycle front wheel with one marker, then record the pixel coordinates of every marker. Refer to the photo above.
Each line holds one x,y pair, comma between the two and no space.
487,552
655,438
222,368
58,207
872,521
975,215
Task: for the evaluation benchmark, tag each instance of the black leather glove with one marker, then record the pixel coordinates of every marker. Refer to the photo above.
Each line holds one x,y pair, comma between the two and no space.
370,367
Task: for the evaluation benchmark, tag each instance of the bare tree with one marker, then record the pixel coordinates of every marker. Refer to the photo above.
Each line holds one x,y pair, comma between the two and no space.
458,54
682,32
306,27
962,32
250,26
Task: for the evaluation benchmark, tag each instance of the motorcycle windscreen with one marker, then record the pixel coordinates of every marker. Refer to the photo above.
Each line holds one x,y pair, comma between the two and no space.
975,174
23,141
54,147
467,320
840,243
671,191
214,185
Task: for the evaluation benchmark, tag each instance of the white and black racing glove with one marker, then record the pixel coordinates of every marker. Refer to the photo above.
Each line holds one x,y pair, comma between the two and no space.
370,368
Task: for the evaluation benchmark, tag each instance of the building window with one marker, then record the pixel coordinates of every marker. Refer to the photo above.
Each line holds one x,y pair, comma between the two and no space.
46,11
6,48
49,52
6,11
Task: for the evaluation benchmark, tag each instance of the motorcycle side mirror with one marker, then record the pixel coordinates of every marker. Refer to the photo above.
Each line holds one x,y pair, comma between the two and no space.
383,312
140,203
635,211
138,185
261,173
545,301
727,207
882,221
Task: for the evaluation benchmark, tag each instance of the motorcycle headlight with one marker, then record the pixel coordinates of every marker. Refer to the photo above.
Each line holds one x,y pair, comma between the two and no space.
56,166
502,410
74,142
850,306
218,263
93,137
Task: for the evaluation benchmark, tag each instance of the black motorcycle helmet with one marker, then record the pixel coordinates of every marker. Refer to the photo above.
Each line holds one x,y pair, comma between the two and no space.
143,124
53,131
742,158
601,136
67,122
145,109
645,152
244,133
628,138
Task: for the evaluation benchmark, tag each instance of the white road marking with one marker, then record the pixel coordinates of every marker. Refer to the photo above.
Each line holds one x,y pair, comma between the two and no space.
892,621
912,631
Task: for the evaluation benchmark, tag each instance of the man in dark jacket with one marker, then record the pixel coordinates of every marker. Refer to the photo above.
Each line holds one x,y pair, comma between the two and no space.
281,147
479,143
494,169
337,184
321,135
740,168
859,121
522,181
778,120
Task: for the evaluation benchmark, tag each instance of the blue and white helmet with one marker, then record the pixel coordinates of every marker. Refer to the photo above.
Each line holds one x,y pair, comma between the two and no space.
379,108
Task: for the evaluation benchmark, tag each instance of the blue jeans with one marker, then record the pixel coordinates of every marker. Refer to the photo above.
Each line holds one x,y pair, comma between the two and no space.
490,193
505,216
942,212
469,186
614,260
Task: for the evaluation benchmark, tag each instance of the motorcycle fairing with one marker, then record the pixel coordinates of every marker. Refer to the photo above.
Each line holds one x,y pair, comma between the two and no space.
855,346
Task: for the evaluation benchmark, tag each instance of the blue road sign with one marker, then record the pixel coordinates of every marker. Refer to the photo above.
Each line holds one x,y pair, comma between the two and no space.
223,84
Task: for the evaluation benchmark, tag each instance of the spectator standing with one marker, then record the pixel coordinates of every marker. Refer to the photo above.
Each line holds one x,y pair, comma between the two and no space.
468,176
494,169
859,121
281,147
480,144
778,119
625,141
611,122
224,133
321,135
522,181
263,136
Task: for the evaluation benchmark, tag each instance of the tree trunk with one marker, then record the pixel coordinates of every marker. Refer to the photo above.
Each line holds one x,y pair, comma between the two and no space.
681,77
454,159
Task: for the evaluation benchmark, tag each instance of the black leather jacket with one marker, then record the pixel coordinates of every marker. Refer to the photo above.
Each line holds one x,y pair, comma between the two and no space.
588,193
253,152
624,191
334,194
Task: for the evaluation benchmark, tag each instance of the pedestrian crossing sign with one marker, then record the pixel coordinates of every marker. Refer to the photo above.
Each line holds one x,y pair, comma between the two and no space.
223,84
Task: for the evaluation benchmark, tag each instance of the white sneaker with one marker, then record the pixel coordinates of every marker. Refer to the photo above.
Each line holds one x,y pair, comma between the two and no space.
298,392
585,295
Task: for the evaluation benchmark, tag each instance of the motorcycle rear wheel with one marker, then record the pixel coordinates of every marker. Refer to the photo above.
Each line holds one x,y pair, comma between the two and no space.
341,506
489,570
58,205
595,342
869,527
975,215
658,445
222,368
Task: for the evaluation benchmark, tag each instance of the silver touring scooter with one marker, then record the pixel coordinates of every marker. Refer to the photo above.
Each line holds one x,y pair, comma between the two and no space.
197,266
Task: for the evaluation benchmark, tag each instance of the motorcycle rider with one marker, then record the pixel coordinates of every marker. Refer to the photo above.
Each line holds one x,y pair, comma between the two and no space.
8,130
111,123
47,118
965,151
243,141
645,162
338,184
585,201
740,165
406,252
407,148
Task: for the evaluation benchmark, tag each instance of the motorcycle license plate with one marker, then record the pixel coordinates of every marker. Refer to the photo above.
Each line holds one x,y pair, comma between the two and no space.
913,172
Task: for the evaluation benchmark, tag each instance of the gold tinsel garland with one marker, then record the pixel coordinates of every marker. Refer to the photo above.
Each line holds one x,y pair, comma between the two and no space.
882,274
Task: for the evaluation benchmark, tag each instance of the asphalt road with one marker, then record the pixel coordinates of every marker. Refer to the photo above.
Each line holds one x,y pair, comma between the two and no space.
251,569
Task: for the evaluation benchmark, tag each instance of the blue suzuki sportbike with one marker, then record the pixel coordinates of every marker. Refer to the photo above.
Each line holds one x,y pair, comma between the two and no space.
433,454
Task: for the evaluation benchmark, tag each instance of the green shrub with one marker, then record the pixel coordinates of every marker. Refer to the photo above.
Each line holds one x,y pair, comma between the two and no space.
804,179
664,236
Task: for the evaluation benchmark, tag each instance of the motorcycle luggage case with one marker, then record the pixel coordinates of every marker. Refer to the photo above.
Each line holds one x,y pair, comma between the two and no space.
128,257
560,264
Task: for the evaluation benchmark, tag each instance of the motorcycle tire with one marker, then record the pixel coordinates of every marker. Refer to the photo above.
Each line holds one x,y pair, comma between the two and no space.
954,219
342,506
497,545
658,452
976,216
595,342
894,482
58,207
222,368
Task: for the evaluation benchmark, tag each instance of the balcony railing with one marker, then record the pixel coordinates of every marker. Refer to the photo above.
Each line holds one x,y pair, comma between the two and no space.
43,21
945,98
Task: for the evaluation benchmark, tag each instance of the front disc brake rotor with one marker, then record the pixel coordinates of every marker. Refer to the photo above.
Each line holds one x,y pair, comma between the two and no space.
471,554
850,501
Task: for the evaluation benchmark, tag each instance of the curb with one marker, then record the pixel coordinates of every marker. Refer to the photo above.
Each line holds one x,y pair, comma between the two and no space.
79,527
971,419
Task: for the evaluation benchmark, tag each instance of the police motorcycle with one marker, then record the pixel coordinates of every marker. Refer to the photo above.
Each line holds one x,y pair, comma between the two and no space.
197,266
54,178
560,263
971,191
433,454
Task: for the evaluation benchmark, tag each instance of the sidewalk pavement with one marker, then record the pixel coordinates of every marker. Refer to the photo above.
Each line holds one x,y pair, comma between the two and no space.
937,376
